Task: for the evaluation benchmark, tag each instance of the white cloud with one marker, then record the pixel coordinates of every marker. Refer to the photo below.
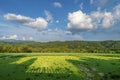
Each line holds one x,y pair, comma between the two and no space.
103,19
81,6
57,4
30,38
79,21
27,39
39,22
117,12
48,15
97,16
23,38
15,37
57,21
17,18
108,20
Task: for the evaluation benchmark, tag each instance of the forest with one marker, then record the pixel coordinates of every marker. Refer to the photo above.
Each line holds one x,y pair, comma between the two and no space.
61,47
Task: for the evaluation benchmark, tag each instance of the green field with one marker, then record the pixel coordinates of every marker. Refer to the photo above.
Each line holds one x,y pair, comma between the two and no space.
59,66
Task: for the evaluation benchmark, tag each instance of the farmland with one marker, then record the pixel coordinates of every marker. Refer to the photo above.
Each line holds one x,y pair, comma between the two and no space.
59,66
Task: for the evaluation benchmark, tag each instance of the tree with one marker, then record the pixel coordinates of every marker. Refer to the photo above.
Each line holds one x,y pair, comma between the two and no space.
24,48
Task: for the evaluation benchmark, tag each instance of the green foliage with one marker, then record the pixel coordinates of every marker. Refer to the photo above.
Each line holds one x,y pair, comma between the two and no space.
25,49
64,47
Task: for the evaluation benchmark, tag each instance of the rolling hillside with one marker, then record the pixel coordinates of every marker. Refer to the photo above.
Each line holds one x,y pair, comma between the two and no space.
63,46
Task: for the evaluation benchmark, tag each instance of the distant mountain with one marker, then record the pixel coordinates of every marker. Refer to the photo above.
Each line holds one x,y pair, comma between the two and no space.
13,40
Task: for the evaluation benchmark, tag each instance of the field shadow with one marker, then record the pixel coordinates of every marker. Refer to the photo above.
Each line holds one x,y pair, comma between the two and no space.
109,55
98,69
11,71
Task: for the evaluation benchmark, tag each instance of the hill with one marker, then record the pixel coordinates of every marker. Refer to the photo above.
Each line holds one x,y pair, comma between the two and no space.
61,46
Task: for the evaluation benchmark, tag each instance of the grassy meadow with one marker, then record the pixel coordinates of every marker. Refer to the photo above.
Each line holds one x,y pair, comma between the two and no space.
61,66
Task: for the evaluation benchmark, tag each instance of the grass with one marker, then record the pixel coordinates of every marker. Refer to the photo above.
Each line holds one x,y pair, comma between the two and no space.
53,66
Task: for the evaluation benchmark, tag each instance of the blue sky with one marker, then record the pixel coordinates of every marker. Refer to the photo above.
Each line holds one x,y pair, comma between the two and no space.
60,20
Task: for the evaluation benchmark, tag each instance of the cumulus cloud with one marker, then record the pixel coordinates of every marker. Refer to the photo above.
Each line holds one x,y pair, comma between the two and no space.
23,38
108,20
48,15
17,18
31,38
15,37
57,4
79,21
117,12
27,38
39,22
104,19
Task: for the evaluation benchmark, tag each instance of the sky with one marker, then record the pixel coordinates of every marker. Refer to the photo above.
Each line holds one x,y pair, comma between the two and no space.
60,20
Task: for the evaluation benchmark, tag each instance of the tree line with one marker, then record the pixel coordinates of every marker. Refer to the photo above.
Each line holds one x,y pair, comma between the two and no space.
61,47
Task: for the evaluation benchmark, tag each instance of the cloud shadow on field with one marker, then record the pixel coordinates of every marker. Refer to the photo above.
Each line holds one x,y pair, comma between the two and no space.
13,71
98,69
